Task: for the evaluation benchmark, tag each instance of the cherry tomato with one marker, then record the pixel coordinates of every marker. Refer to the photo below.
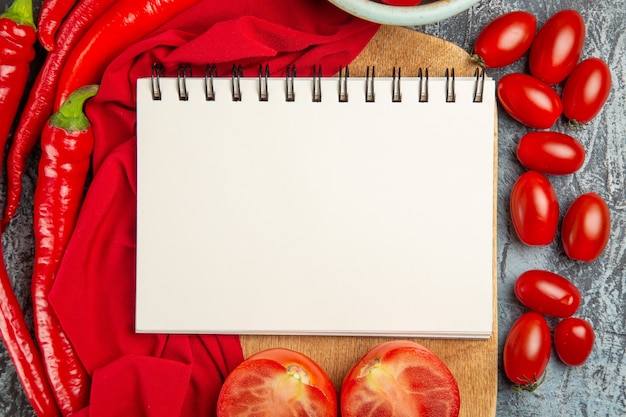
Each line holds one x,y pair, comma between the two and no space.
547,293
505,39
399,378
586,90
550,152
401,2
557,47
527,351
586,227
573,340
529,100
277,383
534,209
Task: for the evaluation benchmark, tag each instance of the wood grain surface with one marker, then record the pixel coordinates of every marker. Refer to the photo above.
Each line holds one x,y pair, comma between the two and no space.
473,362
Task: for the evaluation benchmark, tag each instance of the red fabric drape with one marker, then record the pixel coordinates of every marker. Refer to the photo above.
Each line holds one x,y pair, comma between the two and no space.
94,292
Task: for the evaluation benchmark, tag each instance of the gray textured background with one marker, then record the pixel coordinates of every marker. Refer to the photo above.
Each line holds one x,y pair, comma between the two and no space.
598,388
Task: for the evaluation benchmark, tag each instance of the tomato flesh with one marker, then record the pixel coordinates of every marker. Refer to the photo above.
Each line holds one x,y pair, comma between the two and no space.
400,379
549,152
277,382
586,228
557,47
586,90
529,100
527,350
534,209
573,340
505,39
547,293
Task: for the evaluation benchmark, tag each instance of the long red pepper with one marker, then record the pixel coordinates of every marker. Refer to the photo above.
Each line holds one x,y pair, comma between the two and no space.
17,37
51,15
124,23
40,100
22,349
66,146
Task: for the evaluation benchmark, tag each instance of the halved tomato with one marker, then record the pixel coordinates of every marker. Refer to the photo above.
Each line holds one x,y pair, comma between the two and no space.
400,378
277,383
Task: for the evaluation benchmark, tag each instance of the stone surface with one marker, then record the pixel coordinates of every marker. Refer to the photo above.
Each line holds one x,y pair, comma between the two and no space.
598,388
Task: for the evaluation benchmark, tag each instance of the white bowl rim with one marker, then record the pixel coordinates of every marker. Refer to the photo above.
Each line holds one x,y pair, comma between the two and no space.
421,14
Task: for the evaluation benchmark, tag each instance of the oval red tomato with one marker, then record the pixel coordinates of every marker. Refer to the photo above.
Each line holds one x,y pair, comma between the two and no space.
573,340
399,378
534,209
277,383
586,227
586,90
527,351
529,100
557,47
505,39
550,152
547,293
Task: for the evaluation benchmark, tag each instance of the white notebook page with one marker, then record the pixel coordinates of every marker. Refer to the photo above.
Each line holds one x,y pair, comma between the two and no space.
299,217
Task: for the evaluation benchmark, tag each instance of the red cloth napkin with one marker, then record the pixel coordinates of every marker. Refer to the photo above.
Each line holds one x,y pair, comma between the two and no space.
94,292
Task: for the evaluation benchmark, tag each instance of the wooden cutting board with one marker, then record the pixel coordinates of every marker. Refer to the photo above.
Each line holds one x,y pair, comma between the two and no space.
474,363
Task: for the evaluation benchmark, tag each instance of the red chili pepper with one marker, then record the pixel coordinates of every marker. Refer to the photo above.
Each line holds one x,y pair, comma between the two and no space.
22,349
51,15
124,23
40,100
17,37
66,146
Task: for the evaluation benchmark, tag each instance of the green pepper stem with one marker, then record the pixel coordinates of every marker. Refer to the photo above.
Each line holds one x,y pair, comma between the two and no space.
70,116
21,12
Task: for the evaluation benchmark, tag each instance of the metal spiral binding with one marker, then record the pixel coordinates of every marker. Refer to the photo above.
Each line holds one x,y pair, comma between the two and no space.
290,94
479,85
423,85
263,90
317,84
370,96
183,71
157,72
450,94
343,84
396,92
236,82
209,73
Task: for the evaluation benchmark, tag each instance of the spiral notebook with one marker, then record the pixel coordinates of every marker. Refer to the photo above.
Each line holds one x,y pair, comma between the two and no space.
315,205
